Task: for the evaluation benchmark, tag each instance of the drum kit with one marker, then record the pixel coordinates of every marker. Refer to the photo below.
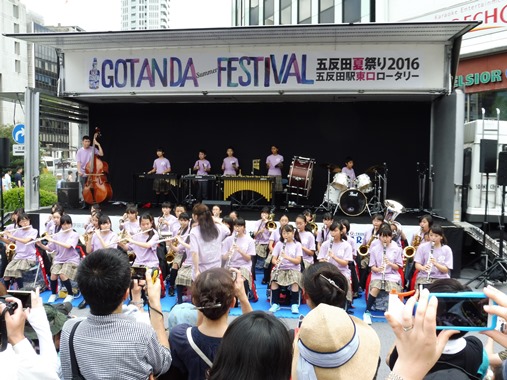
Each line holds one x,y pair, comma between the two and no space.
350,194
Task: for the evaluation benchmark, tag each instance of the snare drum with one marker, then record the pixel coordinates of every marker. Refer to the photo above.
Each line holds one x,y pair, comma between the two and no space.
340,181
332,196
364,183
352,202
300,176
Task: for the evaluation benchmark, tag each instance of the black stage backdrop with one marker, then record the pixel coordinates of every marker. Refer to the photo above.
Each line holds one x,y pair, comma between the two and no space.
396,133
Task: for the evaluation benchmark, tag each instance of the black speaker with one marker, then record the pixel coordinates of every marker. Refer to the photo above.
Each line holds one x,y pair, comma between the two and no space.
487,163
455,237
225,206
70,185
501,177
5,150
69,198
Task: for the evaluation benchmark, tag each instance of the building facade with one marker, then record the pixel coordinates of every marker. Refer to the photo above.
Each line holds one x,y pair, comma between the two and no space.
286,12
13,60
144,14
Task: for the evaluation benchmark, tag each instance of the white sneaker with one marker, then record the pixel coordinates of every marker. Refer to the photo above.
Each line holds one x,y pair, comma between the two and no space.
52,298
367,317
69,299
274,308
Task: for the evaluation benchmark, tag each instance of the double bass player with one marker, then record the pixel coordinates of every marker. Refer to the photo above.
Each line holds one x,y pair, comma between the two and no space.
84,155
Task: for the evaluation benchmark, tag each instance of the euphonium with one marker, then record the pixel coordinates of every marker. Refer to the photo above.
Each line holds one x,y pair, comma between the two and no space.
10,251
364,249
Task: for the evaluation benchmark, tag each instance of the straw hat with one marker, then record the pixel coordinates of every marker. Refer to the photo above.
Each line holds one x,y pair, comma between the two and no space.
331,338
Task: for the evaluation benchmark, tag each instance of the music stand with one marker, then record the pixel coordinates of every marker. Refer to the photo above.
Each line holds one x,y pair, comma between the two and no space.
325,204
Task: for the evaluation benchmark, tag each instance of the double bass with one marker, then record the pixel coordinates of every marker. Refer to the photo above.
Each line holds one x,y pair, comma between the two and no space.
96,189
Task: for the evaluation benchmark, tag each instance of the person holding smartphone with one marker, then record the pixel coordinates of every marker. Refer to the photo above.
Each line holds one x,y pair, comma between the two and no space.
465,353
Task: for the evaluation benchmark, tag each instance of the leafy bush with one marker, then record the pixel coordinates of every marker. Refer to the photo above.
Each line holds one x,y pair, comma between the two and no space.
16,197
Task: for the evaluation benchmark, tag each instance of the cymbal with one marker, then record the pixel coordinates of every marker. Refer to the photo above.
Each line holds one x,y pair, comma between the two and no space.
328,166
375,168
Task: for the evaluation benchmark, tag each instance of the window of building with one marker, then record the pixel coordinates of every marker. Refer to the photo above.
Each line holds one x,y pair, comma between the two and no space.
305,12
326,11
16,28
285,12
269,12
490,101
17,47
15,10
17,66
351,11
254,12
239,13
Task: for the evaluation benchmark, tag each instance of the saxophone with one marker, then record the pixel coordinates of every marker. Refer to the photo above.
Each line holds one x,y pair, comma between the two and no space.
276,269
364,249
409,251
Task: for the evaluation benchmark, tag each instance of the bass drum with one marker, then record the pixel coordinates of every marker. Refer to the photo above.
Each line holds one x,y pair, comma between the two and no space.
300,176
353,202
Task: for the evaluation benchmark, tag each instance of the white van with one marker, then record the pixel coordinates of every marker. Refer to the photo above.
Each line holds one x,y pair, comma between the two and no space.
48,163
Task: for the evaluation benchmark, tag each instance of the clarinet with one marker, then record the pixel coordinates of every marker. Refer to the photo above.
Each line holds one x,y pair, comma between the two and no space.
231,251
383,281
277,266
429,260
330,250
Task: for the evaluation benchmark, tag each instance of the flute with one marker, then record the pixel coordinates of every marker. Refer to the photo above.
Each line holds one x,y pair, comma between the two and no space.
46,236
171,238
430,257
12,230
131,236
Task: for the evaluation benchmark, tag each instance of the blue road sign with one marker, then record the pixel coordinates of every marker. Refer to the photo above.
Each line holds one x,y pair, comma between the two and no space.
18,133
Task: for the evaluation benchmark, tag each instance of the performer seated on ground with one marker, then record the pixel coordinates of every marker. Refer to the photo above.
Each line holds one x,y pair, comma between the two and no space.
181,270
352,264
261,237
371,238
130,219
385,260
433,259
287,256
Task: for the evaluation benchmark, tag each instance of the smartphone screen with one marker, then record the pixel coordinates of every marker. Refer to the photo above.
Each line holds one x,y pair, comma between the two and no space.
463,311
138,273
24,296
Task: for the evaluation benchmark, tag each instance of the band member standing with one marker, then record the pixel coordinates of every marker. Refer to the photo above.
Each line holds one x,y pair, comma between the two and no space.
206,240
433,259
323,234
66,259
161,165
370,237
181,271
83,156
237,252
25,253
166,222
275,237
348,169
202,167
386,259
144,244
230,165
274,163
130,220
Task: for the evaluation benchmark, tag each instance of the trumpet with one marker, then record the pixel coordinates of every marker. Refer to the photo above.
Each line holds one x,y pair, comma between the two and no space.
430,257
364,249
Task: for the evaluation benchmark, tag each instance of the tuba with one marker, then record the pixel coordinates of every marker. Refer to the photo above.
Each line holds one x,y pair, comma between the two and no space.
393,209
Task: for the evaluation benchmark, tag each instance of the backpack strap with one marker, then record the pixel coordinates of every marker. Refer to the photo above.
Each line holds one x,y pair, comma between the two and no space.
197,349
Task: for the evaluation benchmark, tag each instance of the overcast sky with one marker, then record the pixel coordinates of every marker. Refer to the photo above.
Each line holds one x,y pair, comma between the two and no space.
104,15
